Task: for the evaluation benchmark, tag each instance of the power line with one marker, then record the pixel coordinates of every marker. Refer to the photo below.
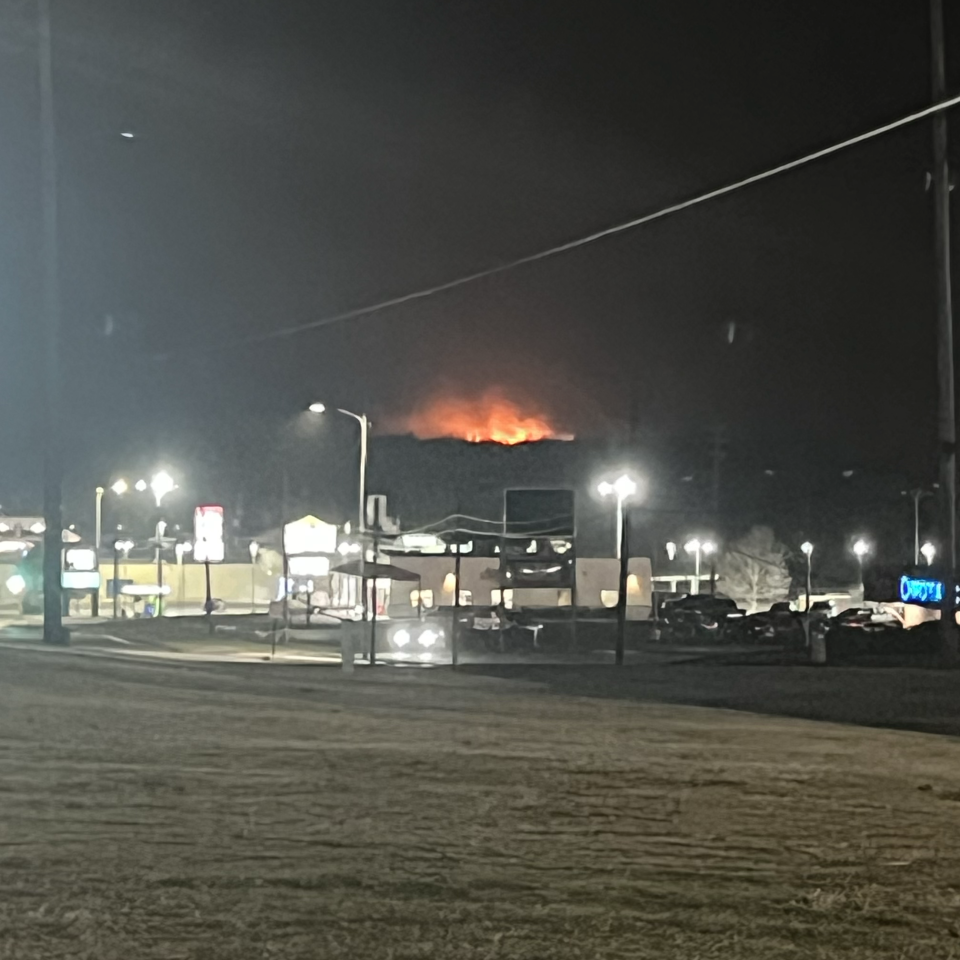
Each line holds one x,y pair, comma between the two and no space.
600,234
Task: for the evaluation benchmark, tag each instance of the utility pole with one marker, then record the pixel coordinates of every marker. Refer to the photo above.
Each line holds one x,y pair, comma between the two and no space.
53,631
455,626
945,372
376,552
917,494
719,442
622,590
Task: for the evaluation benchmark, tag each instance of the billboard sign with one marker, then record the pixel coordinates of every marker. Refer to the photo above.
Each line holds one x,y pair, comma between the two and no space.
208,544
309,535
80,569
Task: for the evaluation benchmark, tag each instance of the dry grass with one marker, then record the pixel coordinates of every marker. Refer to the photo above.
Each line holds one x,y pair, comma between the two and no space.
163,812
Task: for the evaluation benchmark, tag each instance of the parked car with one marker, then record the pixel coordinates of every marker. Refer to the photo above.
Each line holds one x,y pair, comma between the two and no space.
865,619
697,617
780,624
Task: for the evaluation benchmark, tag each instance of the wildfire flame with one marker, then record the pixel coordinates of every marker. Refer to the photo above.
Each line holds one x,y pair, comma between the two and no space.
490,417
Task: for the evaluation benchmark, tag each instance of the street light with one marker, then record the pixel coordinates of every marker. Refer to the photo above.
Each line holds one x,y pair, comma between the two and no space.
181,548
119,487
140,486
254,553
160,485
622,488
699,548
860,549
99,514
929,551
917,494
124,547
361,418
671,550
807,549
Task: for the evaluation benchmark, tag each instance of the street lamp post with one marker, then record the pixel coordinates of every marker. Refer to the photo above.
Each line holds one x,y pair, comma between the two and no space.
917,495
699,548
254,553
97,528
860,549
160,485
361,418
622,488
119,546
807,549
182,547
118,487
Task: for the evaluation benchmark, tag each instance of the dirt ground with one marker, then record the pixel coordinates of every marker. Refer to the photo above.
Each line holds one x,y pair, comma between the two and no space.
253,811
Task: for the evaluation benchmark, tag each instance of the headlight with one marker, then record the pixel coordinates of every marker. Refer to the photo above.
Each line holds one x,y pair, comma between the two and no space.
428,638
401,638
16,584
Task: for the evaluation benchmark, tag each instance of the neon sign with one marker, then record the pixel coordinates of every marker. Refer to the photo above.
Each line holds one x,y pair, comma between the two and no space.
918,590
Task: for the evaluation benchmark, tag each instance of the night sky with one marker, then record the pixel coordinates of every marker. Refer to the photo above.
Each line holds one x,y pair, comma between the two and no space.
295,159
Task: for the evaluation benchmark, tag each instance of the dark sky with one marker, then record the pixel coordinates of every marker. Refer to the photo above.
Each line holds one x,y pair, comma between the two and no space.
294,159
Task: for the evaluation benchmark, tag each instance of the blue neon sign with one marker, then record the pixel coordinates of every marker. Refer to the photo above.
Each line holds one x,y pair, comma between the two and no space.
918,590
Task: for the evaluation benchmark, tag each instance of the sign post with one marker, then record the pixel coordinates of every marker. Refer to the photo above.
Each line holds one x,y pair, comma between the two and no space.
208,546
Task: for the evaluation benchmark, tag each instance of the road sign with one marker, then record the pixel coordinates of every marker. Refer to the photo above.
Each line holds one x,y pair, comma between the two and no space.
208,534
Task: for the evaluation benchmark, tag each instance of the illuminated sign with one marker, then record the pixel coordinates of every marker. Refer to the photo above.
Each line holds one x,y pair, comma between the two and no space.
300,566
80,558
309,535
208,534
918,590
80,569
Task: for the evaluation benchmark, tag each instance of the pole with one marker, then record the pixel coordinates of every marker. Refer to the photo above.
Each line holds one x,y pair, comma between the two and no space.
696,569
718,444
376,550
619,526
286,578
622,592
160,528
454,652
945,360
50,318
98,529
208,600
253,586
364,428
809,591
116,580
917,494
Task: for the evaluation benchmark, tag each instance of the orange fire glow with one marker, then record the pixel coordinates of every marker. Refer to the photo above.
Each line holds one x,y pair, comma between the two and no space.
490,417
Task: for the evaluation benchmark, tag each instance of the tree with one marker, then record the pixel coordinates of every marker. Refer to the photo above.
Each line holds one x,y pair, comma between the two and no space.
754,569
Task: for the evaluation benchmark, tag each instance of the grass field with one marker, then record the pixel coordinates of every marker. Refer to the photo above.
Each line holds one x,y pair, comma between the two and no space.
161,811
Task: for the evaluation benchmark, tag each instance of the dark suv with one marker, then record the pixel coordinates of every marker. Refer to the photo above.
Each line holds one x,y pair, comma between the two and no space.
697,617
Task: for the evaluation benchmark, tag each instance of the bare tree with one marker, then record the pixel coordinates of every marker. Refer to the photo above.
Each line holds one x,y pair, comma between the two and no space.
754,569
